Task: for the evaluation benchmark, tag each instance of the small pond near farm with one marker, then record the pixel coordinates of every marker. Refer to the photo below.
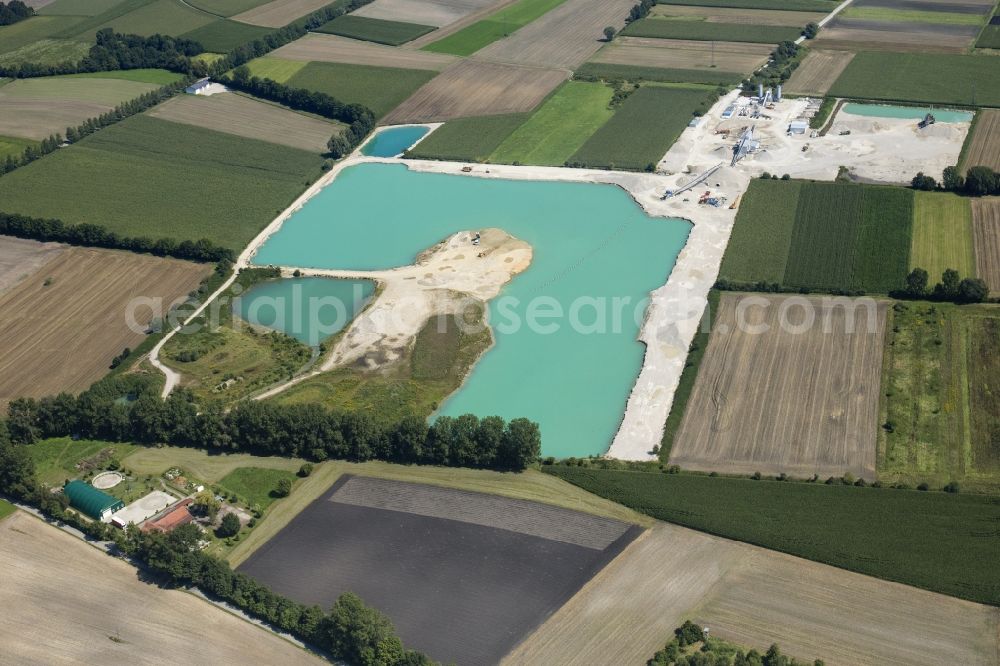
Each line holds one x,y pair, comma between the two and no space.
392,141
566,352
310,309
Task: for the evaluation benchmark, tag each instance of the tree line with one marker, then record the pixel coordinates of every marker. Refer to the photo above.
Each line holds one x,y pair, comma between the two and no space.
91,125
114,51
952,287
784,59
14,12
92,235
979,181
359,118
716,652
351,631
269,429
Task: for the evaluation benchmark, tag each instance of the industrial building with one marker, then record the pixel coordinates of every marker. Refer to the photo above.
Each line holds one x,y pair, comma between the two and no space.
90,501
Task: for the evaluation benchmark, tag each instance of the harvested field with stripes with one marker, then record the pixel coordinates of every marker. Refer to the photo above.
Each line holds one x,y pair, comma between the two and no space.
787,384
942,234
63,324
735,15
36,108
864,35
77,605
279,13
755,597
473,88
20,258
818,72
986,240
564,37
331,48
426,12
492,568
240,115
739,57
984,144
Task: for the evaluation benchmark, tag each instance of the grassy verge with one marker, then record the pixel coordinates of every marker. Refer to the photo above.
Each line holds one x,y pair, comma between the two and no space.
529,485
392,33
6,508
560,126
661,28
12,146
609,72
496,26
688,377
468,139
825,109
643,128
937,541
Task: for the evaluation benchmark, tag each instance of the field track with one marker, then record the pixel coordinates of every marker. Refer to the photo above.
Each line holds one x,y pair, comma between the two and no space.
684,54
36,108
986,240
984,149
471,88
755,597
19,258
783,400
425,12
331,48
564,37
818,72
279,13
76,605
62,337
243,116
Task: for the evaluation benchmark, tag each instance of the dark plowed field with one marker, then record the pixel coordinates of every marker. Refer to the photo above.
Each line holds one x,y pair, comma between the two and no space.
921,6
464,589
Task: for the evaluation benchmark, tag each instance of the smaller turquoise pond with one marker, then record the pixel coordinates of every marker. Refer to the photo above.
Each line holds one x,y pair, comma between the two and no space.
914,112
394,140
309,309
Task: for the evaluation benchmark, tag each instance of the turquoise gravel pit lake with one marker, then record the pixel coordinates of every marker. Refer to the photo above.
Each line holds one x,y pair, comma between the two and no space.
566,352
911,112
310,309
393,140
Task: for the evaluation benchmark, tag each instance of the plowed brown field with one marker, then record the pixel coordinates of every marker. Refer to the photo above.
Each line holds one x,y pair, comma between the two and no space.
472,88
424,12
331,48
63,336
733,15
685,54
984,149
775,394
755,597
279,13
986,240
818,72
19,258
69,603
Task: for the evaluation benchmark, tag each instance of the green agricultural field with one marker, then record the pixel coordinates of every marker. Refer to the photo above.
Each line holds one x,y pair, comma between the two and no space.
758,246
13,146
609,72
702,30
468,139
160,77
921,77
255,485
381,89
789,5
470,39
78,7
46,52
275,69
939,411
6,508
844,236
938,541
643,128
989,38
56,459
559,127
188,182
911,16
84,28
392,33
224,36
32,31
226,7
942,234
165,17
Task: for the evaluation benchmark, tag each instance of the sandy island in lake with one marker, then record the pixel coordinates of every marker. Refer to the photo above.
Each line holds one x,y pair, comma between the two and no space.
444,280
